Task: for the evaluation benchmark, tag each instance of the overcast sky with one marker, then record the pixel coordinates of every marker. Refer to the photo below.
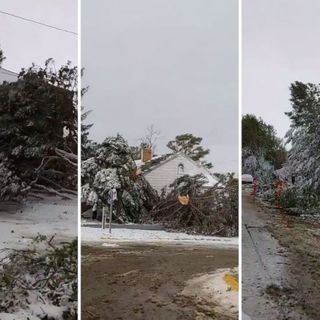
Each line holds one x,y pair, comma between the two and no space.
171,63
24,43
280,46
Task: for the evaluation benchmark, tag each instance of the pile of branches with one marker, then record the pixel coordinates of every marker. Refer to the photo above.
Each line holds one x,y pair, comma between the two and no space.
40,281
193,208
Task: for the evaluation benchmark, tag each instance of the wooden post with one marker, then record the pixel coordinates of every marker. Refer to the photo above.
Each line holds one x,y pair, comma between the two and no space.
110,217
103,218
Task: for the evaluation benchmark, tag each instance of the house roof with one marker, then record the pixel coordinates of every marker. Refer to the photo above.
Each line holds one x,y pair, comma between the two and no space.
159,161
7,75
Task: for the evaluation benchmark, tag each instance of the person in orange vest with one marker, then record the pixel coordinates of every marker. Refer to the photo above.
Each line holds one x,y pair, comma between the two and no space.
279,191
254,186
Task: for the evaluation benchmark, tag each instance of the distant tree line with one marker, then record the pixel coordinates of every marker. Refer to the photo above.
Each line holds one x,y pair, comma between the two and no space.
259,138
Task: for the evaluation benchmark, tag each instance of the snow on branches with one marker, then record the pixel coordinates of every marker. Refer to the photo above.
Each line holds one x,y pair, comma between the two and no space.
38,129
113,167
304,135
10,184
40,281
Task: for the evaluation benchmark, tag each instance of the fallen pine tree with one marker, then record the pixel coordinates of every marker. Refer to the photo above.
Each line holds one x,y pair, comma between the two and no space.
38,133
193,208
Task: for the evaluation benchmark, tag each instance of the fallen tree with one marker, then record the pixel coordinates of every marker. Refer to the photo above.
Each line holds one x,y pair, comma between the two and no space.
38,132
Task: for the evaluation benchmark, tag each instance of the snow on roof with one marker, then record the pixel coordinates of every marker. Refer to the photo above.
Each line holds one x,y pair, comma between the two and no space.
153,162
7,75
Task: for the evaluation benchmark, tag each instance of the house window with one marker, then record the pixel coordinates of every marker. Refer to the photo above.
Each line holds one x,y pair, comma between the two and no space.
180,168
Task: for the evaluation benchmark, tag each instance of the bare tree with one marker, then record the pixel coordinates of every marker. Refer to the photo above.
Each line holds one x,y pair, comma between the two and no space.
150,139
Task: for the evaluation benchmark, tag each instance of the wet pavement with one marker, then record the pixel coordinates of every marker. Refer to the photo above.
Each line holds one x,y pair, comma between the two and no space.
265,276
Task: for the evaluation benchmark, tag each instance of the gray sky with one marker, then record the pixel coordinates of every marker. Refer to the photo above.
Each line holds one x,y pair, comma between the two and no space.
24,43
280,45
171,63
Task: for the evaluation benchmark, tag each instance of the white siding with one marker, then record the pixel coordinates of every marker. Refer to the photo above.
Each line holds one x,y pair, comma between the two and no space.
6,75
167,172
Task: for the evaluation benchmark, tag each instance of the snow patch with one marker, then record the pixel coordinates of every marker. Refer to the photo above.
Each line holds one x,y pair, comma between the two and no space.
123,234
213,289
19,225
110,245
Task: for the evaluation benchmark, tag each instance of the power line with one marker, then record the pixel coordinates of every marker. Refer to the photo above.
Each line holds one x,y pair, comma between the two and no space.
37,22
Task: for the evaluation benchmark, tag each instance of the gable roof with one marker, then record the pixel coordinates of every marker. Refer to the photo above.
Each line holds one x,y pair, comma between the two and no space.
7,75
159,161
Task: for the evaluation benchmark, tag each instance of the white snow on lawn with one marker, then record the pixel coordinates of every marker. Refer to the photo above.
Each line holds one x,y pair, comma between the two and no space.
93,234
20,224
36,311
21,315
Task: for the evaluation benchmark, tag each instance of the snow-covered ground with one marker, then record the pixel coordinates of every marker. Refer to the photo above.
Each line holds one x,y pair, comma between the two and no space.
19,224
37,310
21,315
213,288
125,233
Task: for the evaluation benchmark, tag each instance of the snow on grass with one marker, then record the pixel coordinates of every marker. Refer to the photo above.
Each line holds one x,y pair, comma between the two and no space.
129,234
36,311
19,224
21,315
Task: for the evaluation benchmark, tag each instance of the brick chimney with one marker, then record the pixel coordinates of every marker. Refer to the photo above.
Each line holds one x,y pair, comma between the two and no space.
146,154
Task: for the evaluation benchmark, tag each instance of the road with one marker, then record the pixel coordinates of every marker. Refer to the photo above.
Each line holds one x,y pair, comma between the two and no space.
266,280
145,282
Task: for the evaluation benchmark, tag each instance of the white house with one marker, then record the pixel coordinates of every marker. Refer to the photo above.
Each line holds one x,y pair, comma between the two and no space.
7,75
160,172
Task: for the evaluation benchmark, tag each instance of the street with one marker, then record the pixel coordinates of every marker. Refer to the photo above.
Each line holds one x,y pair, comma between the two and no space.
141,281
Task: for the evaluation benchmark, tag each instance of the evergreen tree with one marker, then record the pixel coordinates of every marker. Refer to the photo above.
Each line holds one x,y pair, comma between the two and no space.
2,57
113,167
190,145
87,146
38,128
260,140
304,135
